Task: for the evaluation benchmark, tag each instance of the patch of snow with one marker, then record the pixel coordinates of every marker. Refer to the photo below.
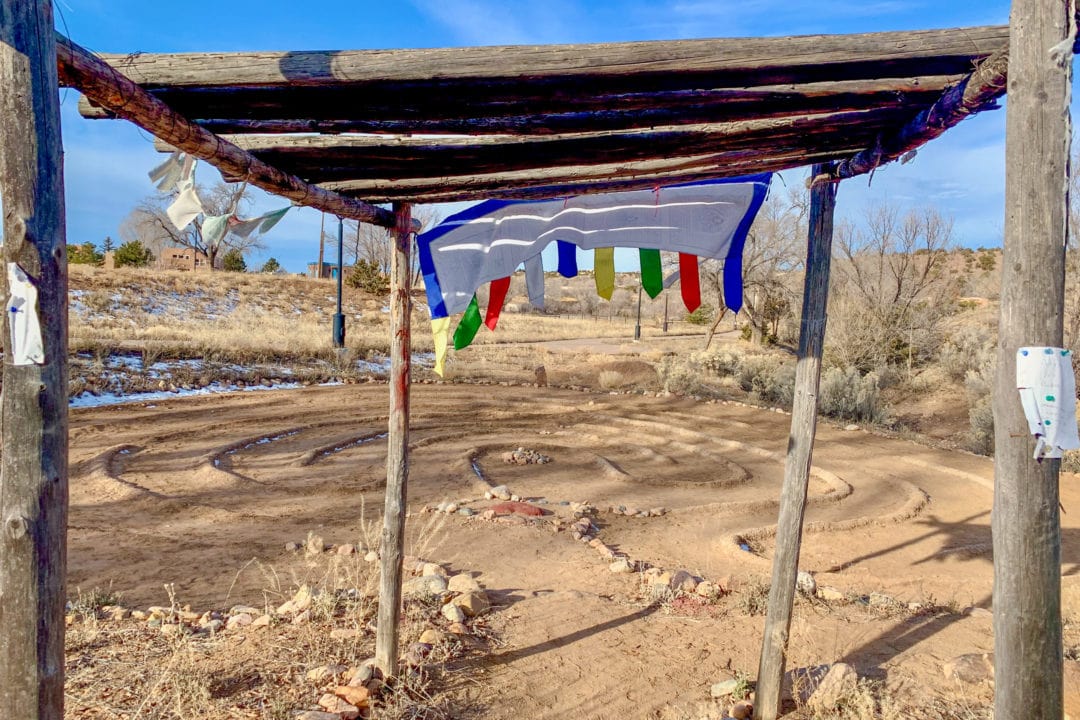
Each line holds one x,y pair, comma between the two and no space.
89,400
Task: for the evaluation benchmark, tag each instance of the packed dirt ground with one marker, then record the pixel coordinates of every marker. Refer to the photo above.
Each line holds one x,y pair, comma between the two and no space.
204,494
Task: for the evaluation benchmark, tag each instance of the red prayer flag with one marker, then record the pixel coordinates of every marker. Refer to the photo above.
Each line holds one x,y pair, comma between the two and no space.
496,297
689,281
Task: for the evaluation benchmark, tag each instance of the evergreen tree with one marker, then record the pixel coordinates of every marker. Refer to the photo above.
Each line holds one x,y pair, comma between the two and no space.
271,266
233,261
84,254
133,254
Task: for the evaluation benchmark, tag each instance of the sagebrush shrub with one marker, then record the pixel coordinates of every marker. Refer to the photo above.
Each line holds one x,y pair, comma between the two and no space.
846,394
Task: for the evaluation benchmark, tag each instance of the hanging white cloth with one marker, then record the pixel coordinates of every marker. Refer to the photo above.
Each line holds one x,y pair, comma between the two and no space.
186,207
1047,385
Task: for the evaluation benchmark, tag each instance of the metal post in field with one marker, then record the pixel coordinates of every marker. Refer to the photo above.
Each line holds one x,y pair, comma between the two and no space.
339,316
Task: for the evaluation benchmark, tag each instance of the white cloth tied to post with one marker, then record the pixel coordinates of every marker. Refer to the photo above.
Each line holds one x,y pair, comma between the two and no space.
1047,385
24,342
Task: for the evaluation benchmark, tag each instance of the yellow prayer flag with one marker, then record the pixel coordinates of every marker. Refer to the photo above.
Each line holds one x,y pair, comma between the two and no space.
604,269
440,332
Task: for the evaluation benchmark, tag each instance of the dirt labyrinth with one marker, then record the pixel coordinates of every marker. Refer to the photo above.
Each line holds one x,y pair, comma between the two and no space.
190,491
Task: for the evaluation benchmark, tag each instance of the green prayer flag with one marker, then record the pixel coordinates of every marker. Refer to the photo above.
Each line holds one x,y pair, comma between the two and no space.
604,270
652,274
270,219
470,323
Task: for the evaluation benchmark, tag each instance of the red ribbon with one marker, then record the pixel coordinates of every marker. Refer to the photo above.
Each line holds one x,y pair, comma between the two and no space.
690,281
496,297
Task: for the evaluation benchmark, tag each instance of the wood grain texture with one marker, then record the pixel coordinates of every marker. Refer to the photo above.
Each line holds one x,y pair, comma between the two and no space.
33,405
392,549
569,114
1025,521
324,159
626,67
977,92
112,90
558,182
800,447
474,112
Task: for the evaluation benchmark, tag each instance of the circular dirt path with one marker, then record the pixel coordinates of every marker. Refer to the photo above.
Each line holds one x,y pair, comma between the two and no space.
191,491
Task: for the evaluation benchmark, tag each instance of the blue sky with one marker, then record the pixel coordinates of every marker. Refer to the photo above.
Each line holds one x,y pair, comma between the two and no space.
106,161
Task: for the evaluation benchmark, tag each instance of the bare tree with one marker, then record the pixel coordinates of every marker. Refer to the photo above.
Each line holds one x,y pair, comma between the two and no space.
893,290
149,224
771,256
372,244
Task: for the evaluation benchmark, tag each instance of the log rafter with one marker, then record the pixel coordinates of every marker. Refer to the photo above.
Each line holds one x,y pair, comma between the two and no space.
549,121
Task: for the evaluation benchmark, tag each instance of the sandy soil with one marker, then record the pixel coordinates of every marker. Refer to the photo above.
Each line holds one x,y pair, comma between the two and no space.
191,491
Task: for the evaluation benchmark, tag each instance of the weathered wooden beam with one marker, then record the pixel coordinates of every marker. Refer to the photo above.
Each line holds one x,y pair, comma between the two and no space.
619,67
33,403
1025,522
392,549
568,187
332,158
979,91
95,79
352,109
800,448
557,182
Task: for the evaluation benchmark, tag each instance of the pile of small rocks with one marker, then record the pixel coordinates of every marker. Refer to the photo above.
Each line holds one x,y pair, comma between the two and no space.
521,456
630,511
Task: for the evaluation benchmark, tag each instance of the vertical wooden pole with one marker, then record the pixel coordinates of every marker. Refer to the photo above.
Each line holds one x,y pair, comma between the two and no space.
800,447
33,402
397,453
1026,525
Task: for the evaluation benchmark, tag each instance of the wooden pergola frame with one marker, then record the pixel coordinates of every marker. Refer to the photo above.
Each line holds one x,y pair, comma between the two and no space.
342,131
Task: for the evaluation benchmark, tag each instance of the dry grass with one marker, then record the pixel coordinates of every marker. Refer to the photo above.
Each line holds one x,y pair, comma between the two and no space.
125,669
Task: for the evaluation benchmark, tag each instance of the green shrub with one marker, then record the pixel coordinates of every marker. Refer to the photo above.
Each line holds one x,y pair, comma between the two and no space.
723,363
368,277
233,261
84,254
133,254
702,316
846,394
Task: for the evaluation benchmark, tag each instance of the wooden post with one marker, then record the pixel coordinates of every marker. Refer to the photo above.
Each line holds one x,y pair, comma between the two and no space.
1026,526
800,446
33,403
397,453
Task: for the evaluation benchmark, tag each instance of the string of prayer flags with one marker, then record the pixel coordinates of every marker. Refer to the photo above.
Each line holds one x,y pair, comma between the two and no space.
690,281
469,325
496,298
488,242
567,259
652,272
440,332
534,281
604,271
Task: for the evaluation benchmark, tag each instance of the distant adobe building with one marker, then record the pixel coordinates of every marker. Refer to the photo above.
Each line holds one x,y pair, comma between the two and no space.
181,258
327,272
